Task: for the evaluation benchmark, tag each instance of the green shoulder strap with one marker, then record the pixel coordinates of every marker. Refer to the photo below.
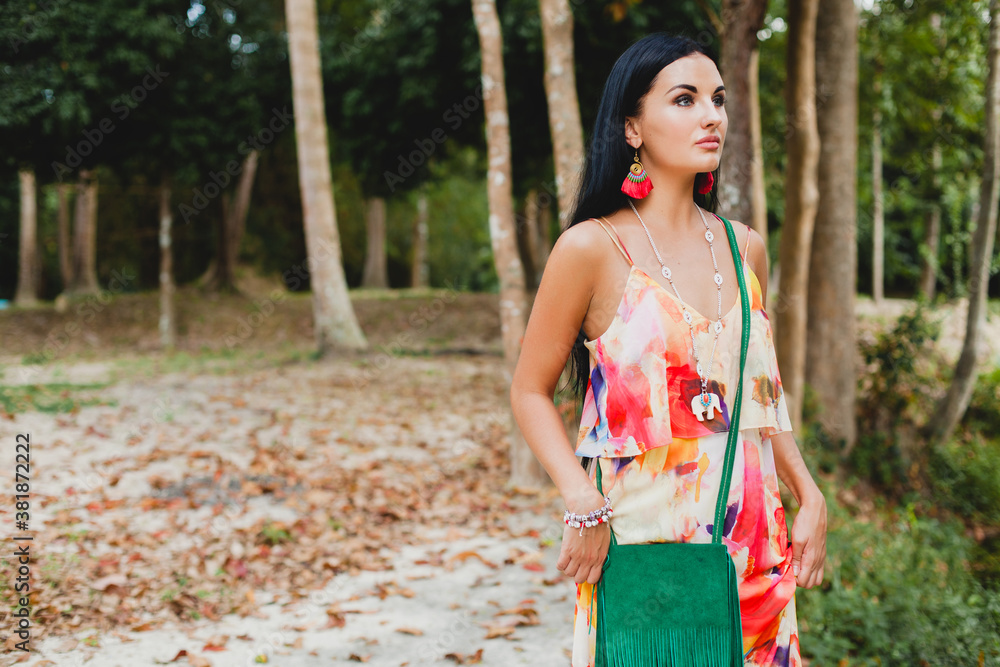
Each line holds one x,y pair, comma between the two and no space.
734,418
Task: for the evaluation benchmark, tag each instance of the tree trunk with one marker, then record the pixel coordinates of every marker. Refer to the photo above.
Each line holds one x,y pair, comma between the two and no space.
375,275
759,195
526,243
563,103
952,406
801,200
543,244
221,273
525,470
240,210
420,275
741,19
932,242
878,201
65,251
220,276
85,235
168,317
28,259
529,234
830,351
335,323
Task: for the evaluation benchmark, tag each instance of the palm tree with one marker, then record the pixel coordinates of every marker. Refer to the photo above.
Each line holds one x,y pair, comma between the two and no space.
335,323
525,470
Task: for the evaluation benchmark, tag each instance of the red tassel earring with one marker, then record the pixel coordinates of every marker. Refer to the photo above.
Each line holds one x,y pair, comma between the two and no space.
704,182
637,184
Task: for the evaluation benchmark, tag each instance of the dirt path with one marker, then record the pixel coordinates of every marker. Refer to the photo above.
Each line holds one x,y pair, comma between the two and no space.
306,514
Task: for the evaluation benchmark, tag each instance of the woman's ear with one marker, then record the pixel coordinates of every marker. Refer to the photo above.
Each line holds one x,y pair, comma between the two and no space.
632,136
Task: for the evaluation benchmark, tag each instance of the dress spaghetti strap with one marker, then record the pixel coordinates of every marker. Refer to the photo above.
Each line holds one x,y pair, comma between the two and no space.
746,248
615,238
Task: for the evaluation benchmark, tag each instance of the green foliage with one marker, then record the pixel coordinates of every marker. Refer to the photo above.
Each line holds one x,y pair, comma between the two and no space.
983,413
274,533
895,393
65,64
898,591
929,59
459,251
966,473
394,71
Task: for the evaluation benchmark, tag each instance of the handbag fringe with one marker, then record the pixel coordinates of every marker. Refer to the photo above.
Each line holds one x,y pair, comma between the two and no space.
669,647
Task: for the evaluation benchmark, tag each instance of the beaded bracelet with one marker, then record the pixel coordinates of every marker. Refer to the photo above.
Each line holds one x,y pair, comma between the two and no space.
595,518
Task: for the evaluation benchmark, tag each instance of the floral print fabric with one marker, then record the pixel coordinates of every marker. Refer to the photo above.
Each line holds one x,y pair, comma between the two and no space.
661,466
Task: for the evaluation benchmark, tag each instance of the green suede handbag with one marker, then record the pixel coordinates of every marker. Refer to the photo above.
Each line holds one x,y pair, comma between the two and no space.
673,604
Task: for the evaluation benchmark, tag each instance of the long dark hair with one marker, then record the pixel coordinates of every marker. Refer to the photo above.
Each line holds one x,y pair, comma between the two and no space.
609,155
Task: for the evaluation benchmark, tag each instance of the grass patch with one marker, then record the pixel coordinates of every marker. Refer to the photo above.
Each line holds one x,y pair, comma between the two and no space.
51,398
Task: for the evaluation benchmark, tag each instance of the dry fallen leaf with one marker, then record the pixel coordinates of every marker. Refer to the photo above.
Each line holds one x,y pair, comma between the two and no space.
466,659
465,555
180,654
109,581
494,631
216,643
410,631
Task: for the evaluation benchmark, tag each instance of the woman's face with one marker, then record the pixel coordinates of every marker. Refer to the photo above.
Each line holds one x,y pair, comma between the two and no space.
682,110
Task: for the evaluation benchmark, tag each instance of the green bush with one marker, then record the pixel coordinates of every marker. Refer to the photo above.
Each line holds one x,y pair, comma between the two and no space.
983,413
966,475
902,376
898,591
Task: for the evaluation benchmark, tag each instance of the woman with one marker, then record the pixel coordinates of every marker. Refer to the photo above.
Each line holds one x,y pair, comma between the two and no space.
646,304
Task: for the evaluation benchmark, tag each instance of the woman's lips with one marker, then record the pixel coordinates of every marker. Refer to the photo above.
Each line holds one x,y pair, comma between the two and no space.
709,142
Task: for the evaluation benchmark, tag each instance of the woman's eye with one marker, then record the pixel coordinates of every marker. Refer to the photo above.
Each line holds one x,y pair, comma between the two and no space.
683,100
720,101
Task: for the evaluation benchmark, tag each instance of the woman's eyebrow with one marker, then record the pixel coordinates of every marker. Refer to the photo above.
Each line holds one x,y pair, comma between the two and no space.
693,89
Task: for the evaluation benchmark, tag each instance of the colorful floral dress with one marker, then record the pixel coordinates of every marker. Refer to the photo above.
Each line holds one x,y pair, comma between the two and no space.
661,467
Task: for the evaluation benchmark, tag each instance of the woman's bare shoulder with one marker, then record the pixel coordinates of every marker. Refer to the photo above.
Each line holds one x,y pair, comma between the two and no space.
580,244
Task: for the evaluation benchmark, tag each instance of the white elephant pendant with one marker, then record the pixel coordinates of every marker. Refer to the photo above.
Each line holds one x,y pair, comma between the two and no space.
703,403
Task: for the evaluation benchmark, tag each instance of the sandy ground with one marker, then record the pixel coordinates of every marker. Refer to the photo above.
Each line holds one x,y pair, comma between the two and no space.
453,582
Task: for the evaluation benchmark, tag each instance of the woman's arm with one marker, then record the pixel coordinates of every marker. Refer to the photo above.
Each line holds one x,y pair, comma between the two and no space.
809,528
792,470
562,302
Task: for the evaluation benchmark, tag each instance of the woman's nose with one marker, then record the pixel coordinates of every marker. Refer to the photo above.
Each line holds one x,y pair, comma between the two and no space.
713,116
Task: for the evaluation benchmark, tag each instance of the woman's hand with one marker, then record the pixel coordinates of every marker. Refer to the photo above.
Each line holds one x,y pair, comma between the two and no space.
582,556
809,541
